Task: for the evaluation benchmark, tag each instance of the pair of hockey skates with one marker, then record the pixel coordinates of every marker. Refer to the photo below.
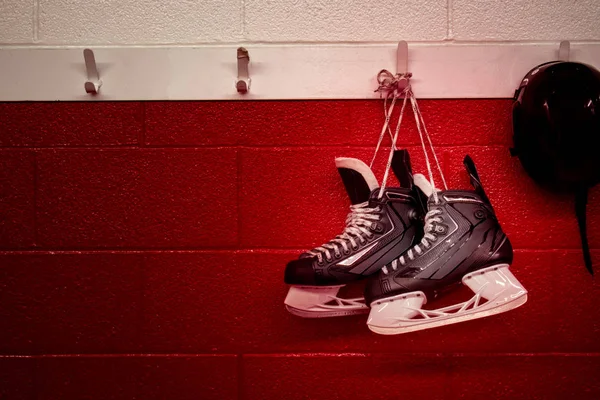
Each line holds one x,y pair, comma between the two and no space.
412,242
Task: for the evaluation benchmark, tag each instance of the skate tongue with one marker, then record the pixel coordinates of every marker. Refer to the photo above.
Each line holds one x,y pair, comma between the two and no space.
402,168
358,178
423,184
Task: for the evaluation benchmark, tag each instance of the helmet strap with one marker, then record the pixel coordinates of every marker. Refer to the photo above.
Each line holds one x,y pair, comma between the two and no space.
581,196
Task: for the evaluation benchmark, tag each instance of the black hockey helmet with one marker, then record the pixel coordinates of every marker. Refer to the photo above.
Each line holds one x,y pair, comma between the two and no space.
556,128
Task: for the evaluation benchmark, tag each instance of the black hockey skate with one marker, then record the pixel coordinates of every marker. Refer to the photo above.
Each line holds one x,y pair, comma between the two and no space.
382,224
462,241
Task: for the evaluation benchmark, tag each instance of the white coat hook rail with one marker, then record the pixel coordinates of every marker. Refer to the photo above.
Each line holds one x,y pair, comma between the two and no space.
243,79
93,83
395,83
563,50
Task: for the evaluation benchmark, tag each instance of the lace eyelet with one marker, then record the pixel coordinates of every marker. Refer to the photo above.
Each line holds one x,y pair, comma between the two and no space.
347,252
479,214
440,229
338,256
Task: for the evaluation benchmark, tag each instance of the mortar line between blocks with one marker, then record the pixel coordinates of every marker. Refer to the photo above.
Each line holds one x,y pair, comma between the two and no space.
453,355
121,355
208,250
305,146
36,20
141,310
254,147
240,357
240,377
238,196
142,134
35,199
450,20
243,12
448,374
36,378
265,44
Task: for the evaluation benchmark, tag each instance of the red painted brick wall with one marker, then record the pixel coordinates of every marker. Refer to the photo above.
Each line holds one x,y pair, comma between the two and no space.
142,248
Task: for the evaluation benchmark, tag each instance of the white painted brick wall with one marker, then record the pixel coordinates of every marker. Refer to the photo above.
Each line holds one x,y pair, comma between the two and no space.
139,22
526,20
345,20
16,21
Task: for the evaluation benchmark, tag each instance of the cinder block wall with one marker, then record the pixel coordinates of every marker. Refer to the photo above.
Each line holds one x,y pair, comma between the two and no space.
142,245
106,22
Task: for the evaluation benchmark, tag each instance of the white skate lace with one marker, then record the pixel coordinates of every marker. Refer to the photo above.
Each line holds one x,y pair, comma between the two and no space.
359,222
432,215
421,124
389,85
428,238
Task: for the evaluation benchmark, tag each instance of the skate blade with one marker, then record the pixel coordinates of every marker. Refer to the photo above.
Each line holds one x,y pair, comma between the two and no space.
322,302
403,313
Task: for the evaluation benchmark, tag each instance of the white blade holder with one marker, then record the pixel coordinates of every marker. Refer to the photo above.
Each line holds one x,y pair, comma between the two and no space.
243,79
563,50
93,83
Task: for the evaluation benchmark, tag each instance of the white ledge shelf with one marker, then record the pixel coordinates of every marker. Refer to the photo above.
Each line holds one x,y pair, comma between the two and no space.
277,72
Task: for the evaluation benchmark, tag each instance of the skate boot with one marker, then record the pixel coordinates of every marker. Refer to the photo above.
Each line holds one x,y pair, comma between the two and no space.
462,242
382,224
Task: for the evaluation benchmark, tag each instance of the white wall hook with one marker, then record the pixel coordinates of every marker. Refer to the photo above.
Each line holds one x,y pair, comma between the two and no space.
402,57
402,64
390,83
93,83
563,50
243,79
